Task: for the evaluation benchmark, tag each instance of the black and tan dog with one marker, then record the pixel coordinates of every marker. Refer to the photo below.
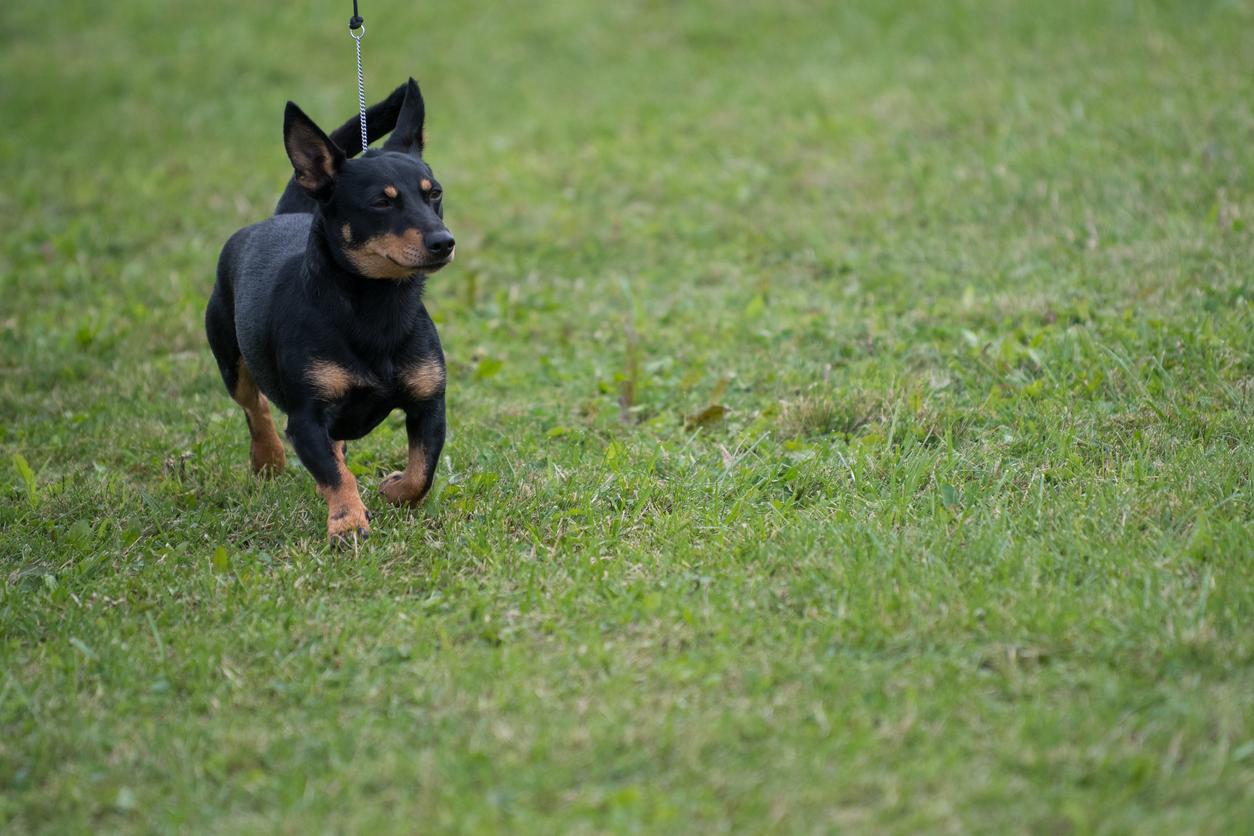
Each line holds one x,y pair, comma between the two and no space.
319,308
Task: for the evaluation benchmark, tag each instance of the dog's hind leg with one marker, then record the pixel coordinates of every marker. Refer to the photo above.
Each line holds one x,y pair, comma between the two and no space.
266,450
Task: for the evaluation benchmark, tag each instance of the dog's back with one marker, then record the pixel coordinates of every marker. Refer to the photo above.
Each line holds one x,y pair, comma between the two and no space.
255,263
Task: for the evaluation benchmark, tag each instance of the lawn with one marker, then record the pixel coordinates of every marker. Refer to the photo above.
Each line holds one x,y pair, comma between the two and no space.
851,426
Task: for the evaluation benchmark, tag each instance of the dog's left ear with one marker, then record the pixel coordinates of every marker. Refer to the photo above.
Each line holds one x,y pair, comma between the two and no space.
315,158
407,135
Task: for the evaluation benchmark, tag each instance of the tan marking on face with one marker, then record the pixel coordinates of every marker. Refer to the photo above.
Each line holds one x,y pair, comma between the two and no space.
409,487
346,513
390,191
425,379
389,256
331,380
266,449
346,232
426,185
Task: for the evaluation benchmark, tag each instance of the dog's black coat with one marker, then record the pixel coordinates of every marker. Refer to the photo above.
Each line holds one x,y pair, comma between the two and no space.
320,306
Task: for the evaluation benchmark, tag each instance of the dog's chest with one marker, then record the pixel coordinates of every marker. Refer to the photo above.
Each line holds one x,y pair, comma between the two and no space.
361,409
366,398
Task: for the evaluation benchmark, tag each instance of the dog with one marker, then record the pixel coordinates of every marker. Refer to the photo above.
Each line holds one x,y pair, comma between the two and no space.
318,309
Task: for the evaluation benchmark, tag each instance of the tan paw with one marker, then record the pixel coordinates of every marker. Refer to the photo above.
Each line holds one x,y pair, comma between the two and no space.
348,524
268,457
400,489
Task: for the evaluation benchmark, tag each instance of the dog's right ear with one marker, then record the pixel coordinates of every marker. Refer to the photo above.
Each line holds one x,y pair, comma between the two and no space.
316,159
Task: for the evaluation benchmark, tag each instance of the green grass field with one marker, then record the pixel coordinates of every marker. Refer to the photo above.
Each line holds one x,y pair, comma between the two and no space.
851,426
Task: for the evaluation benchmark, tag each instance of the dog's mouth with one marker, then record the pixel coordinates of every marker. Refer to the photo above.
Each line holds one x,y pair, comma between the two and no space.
428,266
389,257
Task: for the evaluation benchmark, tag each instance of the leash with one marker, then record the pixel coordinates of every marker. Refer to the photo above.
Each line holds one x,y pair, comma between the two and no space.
357,22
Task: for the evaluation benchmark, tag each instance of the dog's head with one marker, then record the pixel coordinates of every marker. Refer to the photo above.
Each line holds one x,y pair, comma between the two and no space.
383,212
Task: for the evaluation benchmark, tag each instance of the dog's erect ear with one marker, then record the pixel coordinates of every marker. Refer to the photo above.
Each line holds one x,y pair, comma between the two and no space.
314,156
407,135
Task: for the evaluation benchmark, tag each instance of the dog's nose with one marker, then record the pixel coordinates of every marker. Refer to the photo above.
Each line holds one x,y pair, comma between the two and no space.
440,243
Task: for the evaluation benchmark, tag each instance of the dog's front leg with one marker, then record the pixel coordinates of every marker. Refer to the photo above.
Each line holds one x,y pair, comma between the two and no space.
424,424
324,458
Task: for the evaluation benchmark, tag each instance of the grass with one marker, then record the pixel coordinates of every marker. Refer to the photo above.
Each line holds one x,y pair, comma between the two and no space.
851,426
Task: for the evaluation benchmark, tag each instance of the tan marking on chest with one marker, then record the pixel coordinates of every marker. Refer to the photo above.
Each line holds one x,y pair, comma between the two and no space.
424,380
390,191
331,380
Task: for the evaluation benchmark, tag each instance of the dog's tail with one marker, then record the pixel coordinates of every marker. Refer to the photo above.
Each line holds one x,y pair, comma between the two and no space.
380,119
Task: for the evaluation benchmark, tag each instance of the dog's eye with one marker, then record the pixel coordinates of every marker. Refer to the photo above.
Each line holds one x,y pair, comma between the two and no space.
381,202
435,194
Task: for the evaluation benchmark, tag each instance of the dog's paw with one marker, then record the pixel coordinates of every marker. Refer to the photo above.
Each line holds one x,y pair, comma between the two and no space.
399,489
267,459
347,525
